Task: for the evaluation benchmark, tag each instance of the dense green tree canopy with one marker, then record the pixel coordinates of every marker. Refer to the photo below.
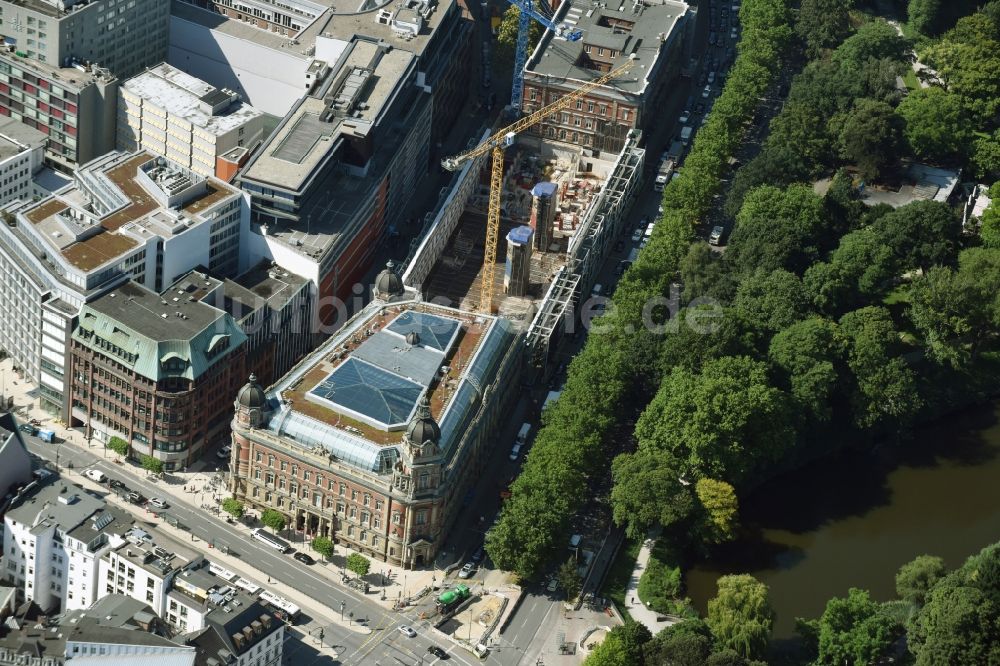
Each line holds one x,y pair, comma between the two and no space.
648,490
921,234
822,24
854,630
722,422
771,301
809,356
936,124
915,578
740,616
870,137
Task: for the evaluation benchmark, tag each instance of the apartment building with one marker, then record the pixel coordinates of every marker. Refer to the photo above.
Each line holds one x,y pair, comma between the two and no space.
167,112
74,106
653,31
115,631
21,150
54,538
125,216
338,172
123,36
375,438
15,462
156,370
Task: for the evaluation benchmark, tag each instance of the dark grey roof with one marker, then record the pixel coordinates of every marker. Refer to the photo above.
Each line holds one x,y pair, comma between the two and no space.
251,395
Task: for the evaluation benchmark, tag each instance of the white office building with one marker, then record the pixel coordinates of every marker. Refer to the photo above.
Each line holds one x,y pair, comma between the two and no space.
194,124
21,152
125,216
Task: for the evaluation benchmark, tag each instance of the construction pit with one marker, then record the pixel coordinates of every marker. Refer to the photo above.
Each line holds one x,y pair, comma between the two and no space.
456,277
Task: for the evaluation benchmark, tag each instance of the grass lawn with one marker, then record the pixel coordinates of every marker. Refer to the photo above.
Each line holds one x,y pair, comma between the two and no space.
621,570
910,79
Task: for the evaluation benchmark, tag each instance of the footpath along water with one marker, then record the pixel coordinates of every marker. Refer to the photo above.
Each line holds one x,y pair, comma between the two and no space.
854,520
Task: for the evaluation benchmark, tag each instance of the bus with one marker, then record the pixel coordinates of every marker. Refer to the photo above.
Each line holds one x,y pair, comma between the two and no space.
277,543
284,608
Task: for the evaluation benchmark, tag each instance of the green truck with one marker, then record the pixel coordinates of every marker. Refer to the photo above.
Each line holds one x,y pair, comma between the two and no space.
452,597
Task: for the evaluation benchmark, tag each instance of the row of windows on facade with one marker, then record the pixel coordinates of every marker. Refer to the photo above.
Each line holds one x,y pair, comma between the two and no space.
602,109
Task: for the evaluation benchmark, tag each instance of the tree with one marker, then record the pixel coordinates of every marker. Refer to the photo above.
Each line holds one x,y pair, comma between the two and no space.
772,301
809,358
648,490
507,32
822,24
985,160
722,423
777,229
678,650
957,625
623,646
358,564
233,507
923,16
324,546
740,616
936,124
885,392
870,137
118,445
853,630
721,506
915,578
921,234
873,40
152,465
273,519
569,579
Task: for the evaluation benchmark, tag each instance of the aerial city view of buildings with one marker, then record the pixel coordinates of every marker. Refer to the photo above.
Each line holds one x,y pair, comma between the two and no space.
429,330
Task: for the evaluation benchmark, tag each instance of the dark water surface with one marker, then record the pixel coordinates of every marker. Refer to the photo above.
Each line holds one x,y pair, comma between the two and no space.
852,521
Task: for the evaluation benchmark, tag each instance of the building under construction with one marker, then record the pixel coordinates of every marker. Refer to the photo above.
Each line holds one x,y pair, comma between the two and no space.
573,205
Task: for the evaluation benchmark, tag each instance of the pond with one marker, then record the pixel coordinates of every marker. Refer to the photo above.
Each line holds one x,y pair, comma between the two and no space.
853,520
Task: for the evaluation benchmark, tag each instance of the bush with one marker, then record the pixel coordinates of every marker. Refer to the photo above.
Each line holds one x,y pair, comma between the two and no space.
118,445
660,585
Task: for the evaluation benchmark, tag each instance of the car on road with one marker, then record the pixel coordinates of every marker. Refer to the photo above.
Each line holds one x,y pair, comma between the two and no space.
620,246
223,453
303,558
699,109
711,77
478,556
706,92
733,33
468,569
136,497
437,652
712,37
552,584
637,235
715,237
118,485
407,630
28,429
515,452
96,475
159,503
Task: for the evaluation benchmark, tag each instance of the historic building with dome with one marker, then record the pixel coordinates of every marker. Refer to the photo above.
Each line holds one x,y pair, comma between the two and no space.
377,437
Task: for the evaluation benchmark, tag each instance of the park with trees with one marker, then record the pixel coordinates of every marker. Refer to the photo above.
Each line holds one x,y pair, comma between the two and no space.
832,324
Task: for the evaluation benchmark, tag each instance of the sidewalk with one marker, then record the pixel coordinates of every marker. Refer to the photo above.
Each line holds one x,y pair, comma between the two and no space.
203,485
654,621
573,629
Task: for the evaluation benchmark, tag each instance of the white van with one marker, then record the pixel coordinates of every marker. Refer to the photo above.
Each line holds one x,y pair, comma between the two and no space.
522,434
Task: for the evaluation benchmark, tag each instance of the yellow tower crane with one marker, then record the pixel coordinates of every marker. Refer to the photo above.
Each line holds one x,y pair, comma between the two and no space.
496,143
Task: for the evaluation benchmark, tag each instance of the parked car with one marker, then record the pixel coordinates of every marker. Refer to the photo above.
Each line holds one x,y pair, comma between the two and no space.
96,475
712,37
515,452
711,77
223,453
303,558
553,584
733,33
468,569
136,497
637,235
117,485
437,652
159,503
715,237
699,109
707,92
406,630
478,556
28,429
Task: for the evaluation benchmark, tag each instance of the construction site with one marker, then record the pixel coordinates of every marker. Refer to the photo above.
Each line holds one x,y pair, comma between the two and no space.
560,214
